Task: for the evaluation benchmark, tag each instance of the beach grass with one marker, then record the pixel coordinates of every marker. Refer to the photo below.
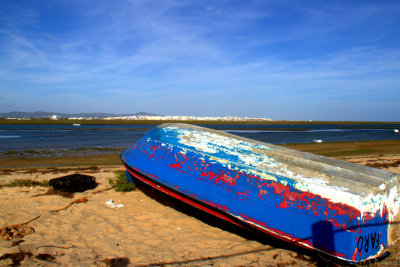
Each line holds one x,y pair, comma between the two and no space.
25,182
120,184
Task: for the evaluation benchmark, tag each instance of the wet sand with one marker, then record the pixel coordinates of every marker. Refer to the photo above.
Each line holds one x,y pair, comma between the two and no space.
150,229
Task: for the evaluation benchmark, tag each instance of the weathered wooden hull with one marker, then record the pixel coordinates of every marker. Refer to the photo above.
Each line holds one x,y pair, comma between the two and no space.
342,209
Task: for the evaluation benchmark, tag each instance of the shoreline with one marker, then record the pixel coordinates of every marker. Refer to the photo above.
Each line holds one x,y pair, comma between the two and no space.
110,156
144,122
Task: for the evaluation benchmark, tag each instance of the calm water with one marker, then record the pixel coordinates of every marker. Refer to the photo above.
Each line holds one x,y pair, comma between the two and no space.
42,137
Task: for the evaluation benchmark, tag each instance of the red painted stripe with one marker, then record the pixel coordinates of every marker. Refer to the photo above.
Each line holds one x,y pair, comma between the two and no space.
196,204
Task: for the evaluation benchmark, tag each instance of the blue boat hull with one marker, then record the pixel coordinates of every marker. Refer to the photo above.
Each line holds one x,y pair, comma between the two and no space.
270,189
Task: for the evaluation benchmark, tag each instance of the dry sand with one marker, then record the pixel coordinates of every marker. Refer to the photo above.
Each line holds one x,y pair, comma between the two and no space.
150,229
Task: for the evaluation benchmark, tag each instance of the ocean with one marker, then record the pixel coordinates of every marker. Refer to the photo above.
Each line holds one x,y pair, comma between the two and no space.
92,138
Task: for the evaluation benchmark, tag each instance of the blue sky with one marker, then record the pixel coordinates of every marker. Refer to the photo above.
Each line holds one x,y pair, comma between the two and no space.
299,60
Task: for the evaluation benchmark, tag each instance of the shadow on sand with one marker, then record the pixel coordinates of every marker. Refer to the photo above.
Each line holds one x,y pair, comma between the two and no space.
320,232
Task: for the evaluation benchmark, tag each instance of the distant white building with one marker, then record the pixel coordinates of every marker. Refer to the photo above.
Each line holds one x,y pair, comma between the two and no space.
53,117
186,118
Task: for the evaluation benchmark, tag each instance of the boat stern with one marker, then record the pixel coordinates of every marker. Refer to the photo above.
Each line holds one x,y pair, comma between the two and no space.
393,203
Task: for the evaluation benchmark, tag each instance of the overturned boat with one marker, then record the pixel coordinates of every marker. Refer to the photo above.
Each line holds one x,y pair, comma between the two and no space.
342,209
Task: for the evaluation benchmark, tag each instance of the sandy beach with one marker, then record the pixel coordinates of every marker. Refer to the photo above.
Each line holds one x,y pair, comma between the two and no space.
150,228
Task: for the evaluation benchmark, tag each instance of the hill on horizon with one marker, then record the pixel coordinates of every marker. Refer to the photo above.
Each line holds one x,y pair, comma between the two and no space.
45,114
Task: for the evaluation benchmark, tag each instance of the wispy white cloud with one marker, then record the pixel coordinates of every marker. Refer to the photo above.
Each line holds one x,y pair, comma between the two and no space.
199,58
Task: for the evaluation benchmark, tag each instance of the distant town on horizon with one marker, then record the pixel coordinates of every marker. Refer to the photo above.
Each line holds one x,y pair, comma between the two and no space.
112,116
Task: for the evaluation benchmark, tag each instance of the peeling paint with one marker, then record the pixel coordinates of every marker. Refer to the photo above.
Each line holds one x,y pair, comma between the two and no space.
260,164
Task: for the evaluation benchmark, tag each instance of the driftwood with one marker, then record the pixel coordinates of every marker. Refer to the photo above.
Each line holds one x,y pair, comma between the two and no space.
22,229
17,230
79,200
